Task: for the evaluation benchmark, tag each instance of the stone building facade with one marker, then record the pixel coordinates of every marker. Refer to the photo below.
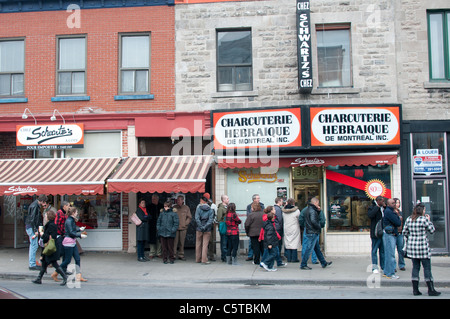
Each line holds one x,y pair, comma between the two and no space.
389,65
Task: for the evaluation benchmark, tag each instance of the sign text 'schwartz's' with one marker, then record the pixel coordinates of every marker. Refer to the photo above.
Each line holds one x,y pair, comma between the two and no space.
304,46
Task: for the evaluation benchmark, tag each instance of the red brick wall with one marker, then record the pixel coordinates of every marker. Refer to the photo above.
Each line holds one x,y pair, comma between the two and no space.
8,148
102,27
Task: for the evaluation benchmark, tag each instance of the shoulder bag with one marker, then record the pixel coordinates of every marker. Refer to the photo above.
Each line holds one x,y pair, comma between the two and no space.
135,219
50,247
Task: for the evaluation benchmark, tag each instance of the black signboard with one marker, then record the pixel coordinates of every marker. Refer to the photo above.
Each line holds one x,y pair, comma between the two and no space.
305,76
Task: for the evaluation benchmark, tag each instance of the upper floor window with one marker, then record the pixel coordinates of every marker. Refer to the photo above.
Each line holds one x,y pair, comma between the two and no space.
71,78
234,60
333,52
439,44
12,67
134,63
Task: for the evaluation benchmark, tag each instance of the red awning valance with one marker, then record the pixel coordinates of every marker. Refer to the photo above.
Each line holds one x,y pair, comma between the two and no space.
55,176
357,159
161,174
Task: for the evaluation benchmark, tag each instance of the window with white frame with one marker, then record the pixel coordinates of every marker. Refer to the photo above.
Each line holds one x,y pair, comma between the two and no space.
134,63
71,71
12,67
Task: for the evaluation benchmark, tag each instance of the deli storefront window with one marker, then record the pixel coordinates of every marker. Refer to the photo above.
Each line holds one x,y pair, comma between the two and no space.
98,211
350,192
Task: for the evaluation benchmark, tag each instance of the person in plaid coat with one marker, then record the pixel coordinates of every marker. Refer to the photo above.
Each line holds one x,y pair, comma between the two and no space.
418,249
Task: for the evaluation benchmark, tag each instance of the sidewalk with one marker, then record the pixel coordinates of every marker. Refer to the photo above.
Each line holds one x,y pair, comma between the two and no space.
120,267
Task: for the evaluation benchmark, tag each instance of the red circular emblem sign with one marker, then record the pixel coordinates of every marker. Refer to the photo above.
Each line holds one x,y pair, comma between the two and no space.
375,188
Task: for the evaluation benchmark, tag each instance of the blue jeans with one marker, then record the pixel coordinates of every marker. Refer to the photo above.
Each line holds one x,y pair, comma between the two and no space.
223,246
399,243
277,257
312,244
377,245
426,263
270,256
313,256
33,247
70,252
250,249
389,254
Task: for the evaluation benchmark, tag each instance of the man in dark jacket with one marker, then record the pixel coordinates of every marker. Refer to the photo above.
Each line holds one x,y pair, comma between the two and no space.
312,230
375,213
32,223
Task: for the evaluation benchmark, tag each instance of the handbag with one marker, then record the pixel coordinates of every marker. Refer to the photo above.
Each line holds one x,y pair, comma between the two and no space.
50,247
135,219
379,229
222,228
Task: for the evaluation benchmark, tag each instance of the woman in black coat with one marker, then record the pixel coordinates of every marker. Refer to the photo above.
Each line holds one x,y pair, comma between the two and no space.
143,230
50,231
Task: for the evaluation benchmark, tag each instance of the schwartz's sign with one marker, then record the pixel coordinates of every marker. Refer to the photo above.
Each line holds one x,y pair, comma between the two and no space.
305,75
38,137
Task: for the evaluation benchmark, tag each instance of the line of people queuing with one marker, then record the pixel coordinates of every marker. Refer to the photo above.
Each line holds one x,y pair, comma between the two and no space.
391,232
164,227
271,227
61,227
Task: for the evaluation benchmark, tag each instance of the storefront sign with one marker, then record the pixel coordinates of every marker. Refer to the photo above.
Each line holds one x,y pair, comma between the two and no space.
427,161
352,126
38,137
257,128
19,190
248,176
305,75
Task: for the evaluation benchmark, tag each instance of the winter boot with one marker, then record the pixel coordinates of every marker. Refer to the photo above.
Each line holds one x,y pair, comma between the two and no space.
431,290
229,260
415,284
38,280
79,278
55,276
63,275
234,261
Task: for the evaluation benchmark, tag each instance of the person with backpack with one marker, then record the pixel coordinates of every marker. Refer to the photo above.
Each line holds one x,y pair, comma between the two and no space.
375,214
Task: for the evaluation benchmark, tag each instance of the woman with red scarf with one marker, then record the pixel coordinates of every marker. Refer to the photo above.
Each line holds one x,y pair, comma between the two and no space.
143,230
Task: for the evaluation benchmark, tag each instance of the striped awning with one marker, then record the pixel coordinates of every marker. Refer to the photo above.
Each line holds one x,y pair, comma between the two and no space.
161,174
55,176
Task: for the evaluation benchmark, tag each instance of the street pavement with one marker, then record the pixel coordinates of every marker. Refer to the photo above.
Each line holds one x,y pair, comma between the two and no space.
121,267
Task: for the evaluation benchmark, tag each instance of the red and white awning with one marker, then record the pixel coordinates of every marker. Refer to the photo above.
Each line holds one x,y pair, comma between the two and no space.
355,159
161,174
55,176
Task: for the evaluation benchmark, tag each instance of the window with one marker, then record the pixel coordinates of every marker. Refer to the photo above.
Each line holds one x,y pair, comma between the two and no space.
234,60
333,52
71,66
12,67
439,45
347,201
429,154
135,63
98,211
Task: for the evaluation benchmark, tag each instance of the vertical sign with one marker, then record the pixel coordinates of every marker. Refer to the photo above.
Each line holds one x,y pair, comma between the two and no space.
305,76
